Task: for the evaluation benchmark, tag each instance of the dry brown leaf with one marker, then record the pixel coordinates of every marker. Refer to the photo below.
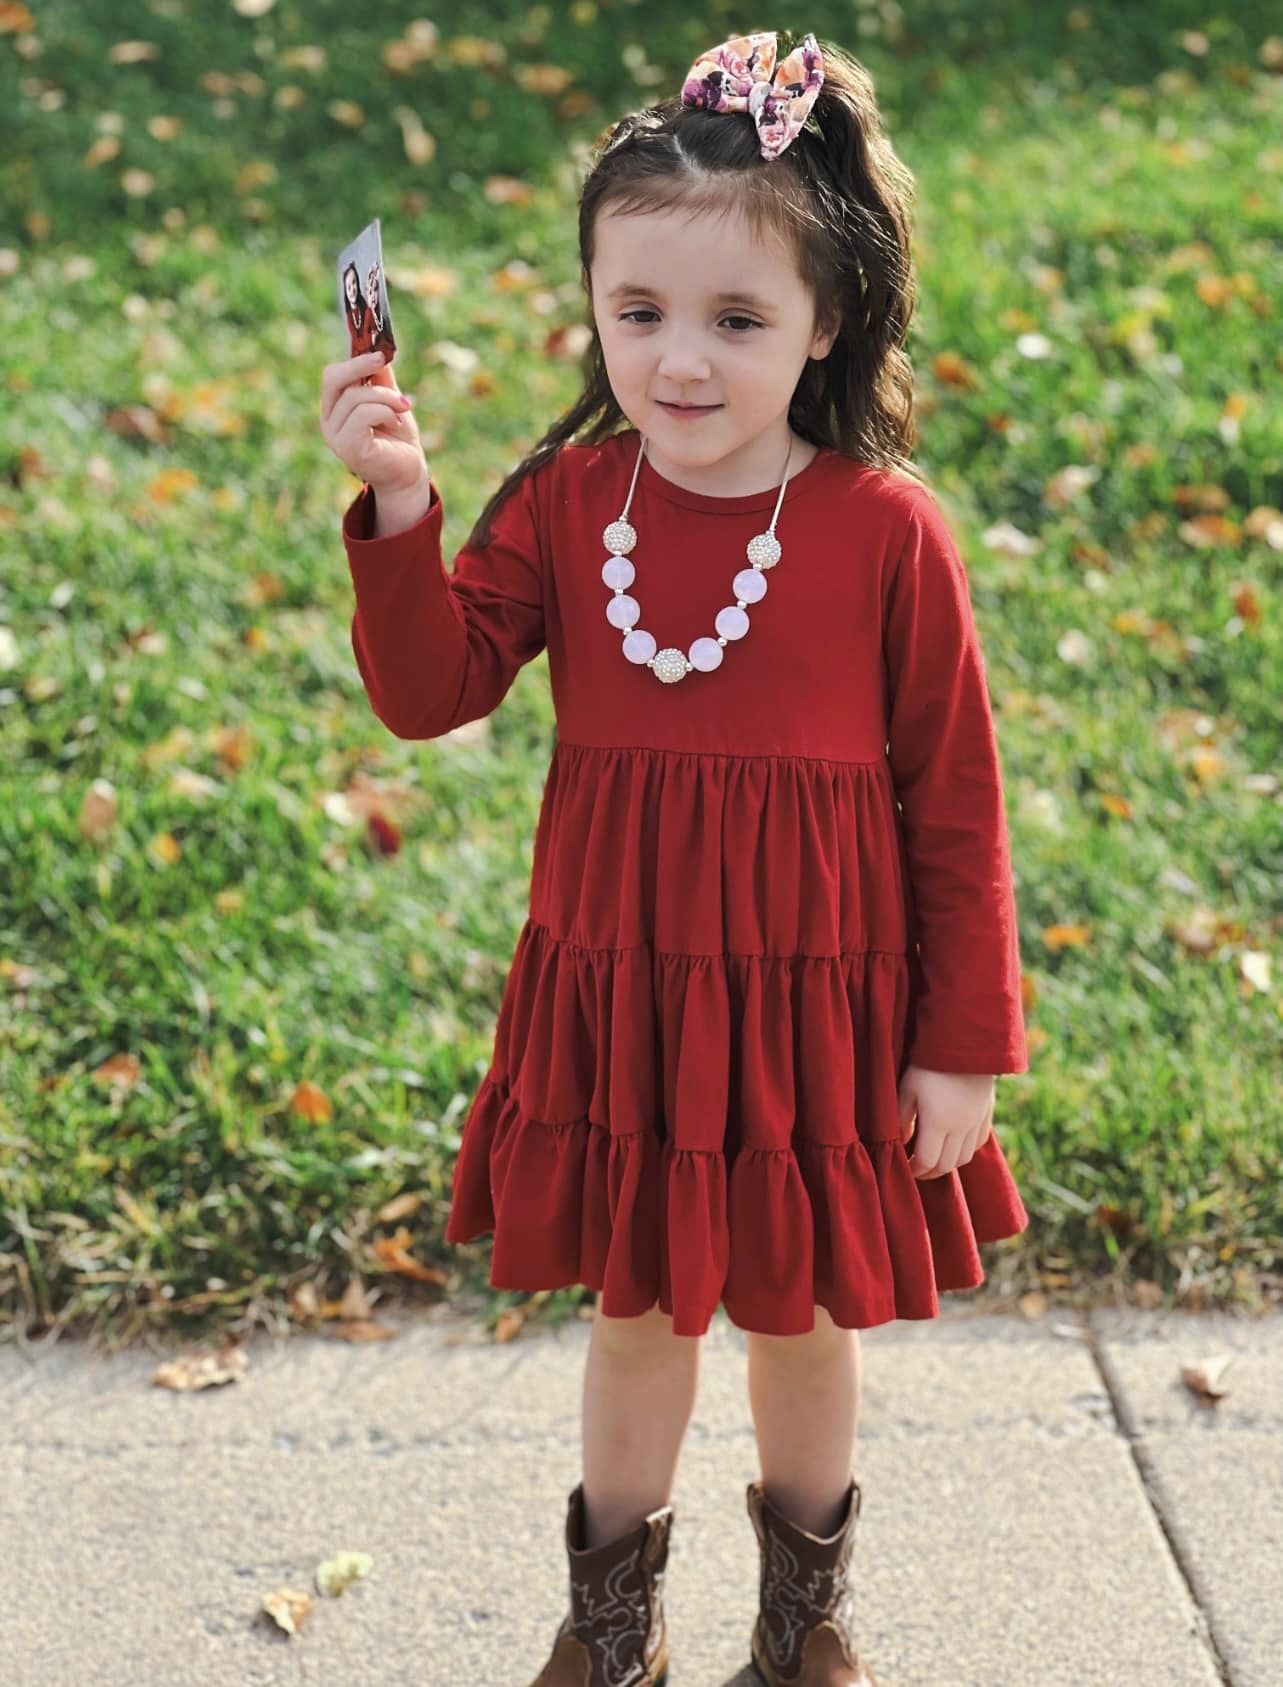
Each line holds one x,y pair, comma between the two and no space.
98,810
210,1369
133,52
363,1329
1066,936
354,1302
399,1207
288,1607
120,1071
1206,530
952,370
1201,931
508,1324
231,744
507,190
393,1255
420,146
1246,603
1113,803
170,484
1203,1379
542,78
101,151
310,1102
165,849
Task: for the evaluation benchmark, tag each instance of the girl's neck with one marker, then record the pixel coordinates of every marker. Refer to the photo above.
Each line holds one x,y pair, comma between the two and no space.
757,466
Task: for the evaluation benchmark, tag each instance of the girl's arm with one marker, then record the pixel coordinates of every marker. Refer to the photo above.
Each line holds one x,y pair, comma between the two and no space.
947,775
436,650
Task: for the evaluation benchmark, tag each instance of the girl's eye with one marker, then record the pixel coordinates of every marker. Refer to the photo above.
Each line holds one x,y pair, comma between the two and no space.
630,314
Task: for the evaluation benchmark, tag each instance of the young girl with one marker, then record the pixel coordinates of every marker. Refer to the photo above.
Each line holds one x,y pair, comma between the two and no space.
746,1051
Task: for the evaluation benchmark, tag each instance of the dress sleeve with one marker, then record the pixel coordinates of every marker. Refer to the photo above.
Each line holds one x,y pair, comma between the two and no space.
436,650
946,771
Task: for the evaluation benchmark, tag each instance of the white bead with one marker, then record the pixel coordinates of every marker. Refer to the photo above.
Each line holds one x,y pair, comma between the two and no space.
623,611
749,584
764,550
732,621
639,646
620,537
705,654
618,572
670,665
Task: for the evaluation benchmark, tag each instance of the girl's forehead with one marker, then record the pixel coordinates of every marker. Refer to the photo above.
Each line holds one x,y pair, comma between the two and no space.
725,238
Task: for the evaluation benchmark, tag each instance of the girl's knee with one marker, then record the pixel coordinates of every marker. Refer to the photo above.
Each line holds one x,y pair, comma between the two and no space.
642,1330
823,1338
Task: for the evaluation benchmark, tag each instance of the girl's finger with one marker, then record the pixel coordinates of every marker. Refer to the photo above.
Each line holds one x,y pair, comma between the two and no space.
352,397
337,377
352,436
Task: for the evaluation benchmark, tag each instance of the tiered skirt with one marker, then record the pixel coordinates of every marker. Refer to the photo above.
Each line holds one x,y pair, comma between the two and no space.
693,1096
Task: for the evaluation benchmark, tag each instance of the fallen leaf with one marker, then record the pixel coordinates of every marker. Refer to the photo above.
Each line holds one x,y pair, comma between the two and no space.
98,810
337,1574
1204,1379
120,1072
210,1369
1066,936
311,1103
288,1607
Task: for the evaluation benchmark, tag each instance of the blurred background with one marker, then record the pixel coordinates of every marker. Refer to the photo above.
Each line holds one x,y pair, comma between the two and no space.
252,946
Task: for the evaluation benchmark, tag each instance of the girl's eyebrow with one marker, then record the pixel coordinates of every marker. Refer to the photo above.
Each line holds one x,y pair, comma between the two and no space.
737,297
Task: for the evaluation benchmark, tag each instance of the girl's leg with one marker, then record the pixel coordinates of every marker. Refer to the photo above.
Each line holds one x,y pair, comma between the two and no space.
804,1392
639,1392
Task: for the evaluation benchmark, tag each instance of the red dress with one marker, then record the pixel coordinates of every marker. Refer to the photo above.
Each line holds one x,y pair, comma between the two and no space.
757,894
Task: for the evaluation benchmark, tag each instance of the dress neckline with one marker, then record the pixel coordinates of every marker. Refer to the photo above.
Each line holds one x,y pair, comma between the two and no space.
649,480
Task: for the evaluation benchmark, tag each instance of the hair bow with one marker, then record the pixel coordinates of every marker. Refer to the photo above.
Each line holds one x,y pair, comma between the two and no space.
742,75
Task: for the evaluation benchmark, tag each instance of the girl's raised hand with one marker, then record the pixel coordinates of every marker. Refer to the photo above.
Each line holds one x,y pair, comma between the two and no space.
367,423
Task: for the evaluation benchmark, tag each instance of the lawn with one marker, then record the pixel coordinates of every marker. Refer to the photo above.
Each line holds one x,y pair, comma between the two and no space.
252,946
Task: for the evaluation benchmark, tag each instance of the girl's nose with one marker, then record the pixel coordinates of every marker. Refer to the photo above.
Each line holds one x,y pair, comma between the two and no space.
683,364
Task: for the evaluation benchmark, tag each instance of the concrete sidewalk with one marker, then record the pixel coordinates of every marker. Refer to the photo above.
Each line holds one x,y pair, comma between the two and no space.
1044,1504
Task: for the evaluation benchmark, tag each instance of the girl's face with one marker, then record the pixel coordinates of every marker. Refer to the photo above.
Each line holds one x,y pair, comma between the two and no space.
351,287
667,335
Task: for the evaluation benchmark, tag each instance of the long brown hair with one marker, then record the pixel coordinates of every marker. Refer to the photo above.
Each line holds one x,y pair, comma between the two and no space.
839,195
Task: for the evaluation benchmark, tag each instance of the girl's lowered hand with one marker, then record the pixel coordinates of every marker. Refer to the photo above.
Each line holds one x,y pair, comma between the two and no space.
954,1116
367,423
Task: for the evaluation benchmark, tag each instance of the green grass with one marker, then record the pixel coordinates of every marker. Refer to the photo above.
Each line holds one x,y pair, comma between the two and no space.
1093,183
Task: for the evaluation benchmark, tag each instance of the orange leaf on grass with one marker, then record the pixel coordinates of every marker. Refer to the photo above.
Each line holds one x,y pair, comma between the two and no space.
392,1253
311,1103
1066,936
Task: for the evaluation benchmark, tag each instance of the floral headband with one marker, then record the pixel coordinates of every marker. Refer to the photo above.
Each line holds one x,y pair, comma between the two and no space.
742,75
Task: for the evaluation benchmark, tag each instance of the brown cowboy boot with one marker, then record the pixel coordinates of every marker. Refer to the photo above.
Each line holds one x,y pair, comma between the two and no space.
803,1636
614,1634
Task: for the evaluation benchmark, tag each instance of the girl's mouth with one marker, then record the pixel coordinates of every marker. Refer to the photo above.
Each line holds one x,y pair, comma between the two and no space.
689,409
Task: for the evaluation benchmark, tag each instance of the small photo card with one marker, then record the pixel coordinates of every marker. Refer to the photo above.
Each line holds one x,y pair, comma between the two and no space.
363,294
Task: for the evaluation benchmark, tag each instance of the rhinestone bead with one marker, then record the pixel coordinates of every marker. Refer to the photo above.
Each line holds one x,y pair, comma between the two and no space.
620,537
764,550
670,665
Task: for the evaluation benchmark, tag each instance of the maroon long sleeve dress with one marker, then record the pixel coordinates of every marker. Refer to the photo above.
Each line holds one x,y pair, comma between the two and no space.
757,894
